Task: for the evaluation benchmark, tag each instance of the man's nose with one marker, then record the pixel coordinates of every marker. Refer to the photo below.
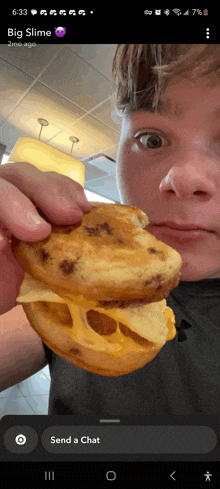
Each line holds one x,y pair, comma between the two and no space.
193,177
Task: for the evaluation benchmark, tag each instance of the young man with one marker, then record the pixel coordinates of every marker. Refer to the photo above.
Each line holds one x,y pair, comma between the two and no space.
169,166
168,161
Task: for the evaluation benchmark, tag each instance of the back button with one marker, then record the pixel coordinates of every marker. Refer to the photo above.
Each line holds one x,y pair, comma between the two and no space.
20,439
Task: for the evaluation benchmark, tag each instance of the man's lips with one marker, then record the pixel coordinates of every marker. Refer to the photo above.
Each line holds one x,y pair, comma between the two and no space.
181,232
183,227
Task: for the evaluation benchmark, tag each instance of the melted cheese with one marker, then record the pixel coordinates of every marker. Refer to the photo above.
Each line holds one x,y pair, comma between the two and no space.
86,336
142,320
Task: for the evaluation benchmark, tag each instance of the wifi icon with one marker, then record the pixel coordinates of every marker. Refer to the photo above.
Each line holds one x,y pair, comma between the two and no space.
177,11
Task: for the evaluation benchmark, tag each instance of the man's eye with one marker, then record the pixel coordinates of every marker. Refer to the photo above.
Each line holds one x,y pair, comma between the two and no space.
151,140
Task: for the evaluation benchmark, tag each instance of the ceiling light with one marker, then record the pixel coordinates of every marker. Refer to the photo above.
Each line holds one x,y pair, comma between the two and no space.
74,140
48,158
43,123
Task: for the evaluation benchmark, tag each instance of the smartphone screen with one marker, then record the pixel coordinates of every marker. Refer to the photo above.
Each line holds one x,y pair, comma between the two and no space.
73,96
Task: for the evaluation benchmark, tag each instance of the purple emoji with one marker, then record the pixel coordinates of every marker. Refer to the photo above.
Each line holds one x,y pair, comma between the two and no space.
60,31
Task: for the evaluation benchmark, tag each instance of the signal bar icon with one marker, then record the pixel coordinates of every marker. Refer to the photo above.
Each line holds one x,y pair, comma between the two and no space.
186,12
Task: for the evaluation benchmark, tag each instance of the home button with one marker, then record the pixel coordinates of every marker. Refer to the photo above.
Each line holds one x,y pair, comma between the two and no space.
110,475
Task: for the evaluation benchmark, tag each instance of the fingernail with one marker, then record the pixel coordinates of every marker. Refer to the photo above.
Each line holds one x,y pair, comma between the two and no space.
37,220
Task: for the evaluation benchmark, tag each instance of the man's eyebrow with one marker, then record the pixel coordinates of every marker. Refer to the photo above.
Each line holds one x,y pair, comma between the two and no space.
168,107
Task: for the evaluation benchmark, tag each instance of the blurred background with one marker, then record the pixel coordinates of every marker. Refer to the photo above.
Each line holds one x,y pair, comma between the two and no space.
70,87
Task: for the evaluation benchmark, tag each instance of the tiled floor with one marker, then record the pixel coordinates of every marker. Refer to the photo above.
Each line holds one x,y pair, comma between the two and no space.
28,397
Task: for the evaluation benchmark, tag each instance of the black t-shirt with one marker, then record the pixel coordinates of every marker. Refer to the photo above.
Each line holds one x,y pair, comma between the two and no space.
184,378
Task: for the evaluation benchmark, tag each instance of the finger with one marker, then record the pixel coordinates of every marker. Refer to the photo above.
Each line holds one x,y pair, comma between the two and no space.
59,207
82,201
64,197
60,198
19,216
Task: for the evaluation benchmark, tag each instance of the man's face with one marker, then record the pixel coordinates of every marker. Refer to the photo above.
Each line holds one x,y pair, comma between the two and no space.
174,174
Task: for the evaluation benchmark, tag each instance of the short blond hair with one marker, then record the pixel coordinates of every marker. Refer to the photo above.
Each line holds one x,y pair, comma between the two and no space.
141,71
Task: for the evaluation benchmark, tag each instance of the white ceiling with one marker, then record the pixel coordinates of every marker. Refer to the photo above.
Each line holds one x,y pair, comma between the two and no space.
71,87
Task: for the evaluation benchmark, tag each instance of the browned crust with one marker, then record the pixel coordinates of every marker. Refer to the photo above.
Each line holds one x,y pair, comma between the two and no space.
161,293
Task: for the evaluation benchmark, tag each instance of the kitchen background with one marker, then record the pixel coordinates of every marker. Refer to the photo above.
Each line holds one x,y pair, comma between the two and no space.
71,87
